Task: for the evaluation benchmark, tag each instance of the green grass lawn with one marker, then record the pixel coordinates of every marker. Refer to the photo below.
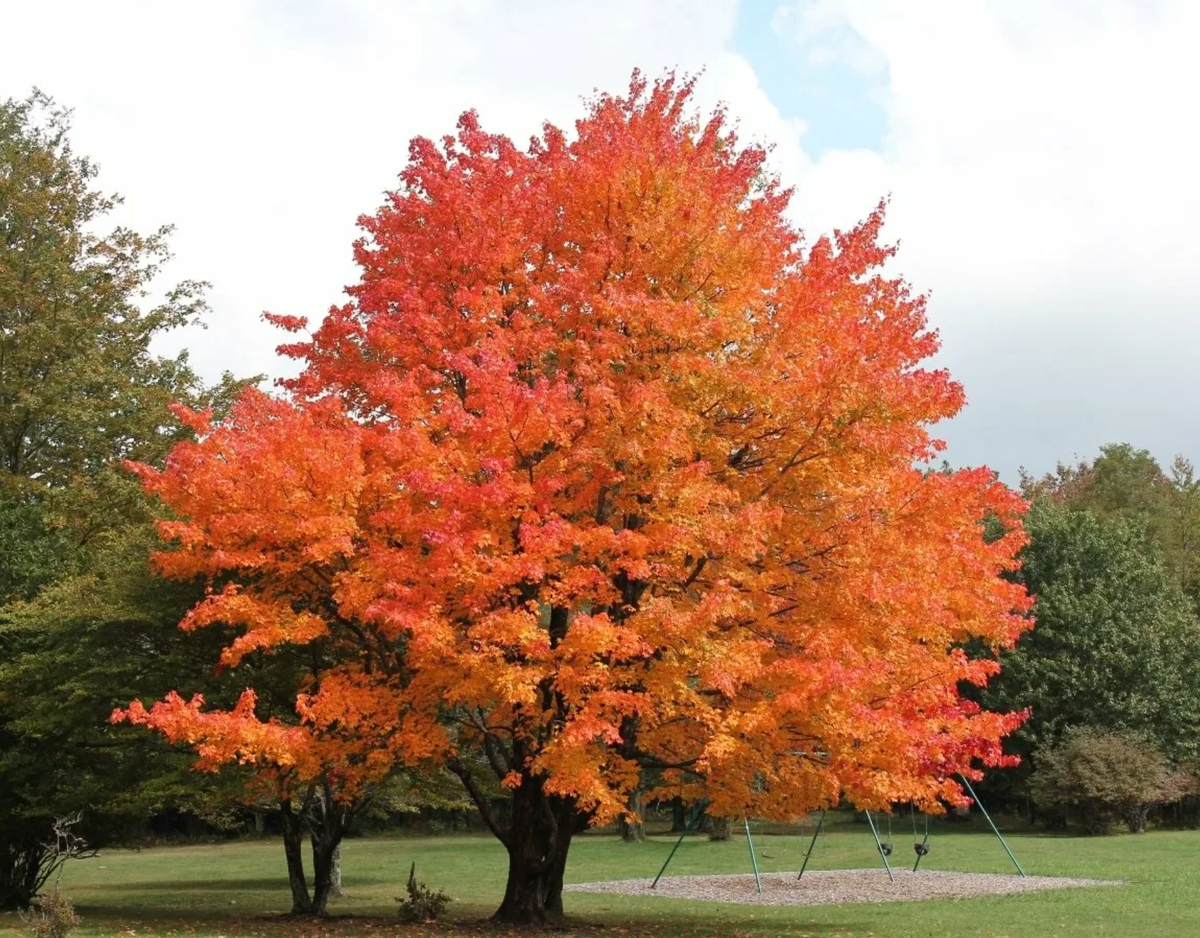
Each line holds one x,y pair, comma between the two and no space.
240,888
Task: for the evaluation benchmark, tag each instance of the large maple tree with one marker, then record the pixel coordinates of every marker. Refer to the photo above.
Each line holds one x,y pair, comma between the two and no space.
603,469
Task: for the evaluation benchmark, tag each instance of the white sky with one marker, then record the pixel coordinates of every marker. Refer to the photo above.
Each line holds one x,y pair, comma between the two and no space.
1040,157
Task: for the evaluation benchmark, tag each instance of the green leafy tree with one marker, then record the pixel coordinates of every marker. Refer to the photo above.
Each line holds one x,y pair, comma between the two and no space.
82,646
29,546
1128,483
80,390
1117,645
1122,480
78,382
1183,542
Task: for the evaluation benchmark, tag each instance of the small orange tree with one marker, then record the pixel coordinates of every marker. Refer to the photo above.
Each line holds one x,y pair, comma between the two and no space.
600,470
350,727
318,773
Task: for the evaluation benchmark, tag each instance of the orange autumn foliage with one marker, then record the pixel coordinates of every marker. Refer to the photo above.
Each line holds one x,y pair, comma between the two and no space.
349,730
602,468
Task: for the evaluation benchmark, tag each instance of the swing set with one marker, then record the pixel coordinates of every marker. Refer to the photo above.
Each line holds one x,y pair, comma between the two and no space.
885,848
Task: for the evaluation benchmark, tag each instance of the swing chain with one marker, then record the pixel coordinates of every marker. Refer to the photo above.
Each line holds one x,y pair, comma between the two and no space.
920,847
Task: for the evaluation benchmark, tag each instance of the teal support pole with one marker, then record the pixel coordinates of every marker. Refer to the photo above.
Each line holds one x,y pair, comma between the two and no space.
812,844
686,830
992,824
667,861
753,858
879,846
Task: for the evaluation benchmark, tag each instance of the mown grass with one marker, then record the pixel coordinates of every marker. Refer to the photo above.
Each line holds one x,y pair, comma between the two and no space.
240,888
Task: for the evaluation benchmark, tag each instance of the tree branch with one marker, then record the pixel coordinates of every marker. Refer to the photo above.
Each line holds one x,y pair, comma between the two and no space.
480,799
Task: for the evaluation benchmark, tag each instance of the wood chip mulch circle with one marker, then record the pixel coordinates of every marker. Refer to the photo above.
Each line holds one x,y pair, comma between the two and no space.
823,887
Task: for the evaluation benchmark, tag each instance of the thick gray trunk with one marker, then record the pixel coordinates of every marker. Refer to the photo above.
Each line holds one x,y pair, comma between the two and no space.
335,874
327,828
537,840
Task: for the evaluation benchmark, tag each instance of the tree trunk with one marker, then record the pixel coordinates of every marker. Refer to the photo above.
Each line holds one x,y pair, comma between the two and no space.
327,828
634,831
533,893
1135,817
537,843
538,829
679,817
293,844
322,876
335,874
721,828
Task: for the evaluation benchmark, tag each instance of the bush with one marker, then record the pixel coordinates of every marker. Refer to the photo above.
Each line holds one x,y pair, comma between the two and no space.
423,904
1099,778
53,916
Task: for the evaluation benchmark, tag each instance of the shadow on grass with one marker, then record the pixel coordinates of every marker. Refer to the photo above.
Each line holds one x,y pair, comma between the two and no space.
231,886
473,922
470,919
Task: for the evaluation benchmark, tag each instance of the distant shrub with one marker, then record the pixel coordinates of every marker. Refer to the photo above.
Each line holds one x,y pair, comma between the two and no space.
51,916
422,903
1099,778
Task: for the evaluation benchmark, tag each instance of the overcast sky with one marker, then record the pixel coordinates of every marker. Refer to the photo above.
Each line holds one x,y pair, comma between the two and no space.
1040,155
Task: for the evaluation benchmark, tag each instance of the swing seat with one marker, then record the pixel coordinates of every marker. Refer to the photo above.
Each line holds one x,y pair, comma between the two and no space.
886,848
921,849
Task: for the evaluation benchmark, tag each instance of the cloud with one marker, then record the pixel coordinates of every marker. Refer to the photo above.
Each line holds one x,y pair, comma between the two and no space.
824,31
1040,157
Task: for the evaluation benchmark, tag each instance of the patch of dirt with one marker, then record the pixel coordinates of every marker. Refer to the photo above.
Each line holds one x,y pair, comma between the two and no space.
822,887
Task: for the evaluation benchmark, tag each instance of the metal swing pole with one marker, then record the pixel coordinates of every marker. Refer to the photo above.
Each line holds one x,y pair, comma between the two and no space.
753,858
686,830
995,830
812,844
879,846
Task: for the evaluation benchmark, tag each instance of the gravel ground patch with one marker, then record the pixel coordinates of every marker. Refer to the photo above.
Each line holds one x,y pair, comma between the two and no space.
822,887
